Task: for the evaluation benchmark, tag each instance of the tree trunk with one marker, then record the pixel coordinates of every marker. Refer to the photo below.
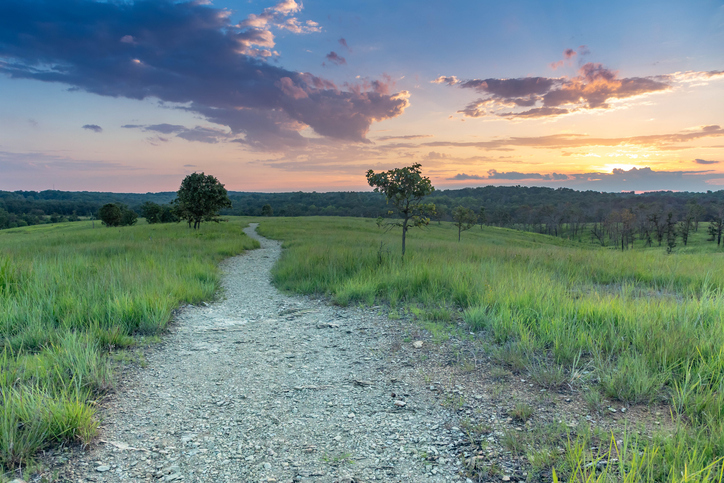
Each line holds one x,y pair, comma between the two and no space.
460,230
404,233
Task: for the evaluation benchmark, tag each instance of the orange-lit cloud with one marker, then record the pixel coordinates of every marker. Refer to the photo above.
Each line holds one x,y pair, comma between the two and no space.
595,87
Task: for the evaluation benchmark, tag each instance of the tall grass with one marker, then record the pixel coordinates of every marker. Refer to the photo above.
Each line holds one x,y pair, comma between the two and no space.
650,325
70,294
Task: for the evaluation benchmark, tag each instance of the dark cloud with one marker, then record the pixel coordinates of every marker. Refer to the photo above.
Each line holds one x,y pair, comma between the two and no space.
343,43
190,54
93,127
704,161
635,179
464,177
594,87
334,58
514,175
198,133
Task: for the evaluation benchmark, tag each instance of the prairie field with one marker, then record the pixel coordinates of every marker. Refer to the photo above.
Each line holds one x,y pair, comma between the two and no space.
72,296
639,327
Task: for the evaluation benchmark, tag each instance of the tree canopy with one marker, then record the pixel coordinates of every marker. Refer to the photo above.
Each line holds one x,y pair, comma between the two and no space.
464,219
405,188
200,198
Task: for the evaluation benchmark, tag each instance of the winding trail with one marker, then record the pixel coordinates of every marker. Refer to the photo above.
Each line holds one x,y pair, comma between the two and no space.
266,387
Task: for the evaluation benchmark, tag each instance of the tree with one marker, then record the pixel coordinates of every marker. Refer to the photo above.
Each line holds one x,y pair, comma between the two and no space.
685,228
151,212
110,214
128,217
670,233
405,188
267,210
200,198
464,219
116,214
482,217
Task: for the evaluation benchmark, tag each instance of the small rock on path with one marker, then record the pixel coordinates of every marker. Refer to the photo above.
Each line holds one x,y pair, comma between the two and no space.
266,387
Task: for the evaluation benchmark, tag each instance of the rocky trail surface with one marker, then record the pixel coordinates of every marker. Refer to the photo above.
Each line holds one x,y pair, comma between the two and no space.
266,387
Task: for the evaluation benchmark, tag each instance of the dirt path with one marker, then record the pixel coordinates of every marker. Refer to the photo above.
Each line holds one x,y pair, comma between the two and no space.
263,386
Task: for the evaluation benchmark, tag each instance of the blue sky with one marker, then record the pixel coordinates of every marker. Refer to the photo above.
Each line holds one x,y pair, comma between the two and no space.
277,96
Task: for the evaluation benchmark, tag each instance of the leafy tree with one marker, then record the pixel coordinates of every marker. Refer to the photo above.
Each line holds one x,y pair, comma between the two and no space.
464,219
155,213
716,227
200,198
128,217
151,212
116,214
685,228
267,210
670,233
482,217
110,214
405,188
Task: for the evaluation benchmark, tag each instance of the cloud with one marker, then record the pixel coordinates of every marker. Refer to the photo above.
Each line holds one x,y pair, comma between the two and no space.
190,55
464,177
32,162
449,80
568,56
634,179
343,43
668,141
93,127
409,136
703,161
594,87
335,59
514,175
198,133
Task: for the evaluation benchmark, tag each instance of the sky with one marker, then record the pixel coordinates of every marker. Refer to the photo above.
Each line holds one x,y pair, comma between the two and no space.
272,96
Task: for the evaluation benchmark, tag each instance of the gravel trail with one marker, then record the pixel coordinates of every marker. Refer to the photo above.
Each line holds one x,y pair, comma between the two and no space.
266,387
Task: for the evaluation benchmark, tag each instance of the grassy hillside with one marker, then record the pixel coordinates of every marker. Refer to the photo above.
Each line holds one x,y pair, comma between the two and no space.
69,295
648,327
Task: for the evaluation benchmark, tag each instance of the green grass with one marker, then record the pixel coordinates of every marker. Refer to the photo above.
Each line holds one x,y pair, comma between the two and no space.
648,327
69,295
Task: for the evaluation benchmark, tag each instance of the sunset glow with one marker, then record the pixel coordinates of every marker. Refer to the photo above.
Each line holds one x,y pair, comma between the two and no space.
285,96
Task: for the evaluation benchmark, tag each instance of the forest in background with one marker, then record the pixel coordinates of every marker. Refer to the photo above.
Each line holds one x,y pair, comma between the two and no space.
610,217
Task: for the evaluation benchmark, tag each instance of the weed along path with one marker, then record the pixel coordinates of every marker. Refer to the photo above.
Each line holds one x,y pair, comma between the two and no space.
262,387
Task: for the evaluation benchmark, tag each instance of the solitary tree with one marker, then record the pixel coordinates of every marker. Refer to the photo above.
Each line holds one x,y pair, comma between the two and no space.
200,198
267,210
464,219
110,214
405,188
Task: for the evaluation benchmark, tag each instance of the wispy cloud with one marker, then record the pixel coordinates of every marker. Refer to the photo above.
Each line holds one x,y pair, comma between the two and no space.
335,58
704,161
408,136
195,58
198,133
93,127
668,141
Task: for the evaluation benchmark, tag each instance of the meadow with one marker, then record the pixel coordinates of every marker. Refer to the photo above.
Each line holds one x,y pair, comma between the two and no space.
72,297
639,326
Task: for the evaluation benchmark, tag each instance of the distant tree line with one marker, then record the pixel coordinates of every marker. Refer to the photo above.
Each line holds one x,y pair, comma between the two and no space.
609,218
